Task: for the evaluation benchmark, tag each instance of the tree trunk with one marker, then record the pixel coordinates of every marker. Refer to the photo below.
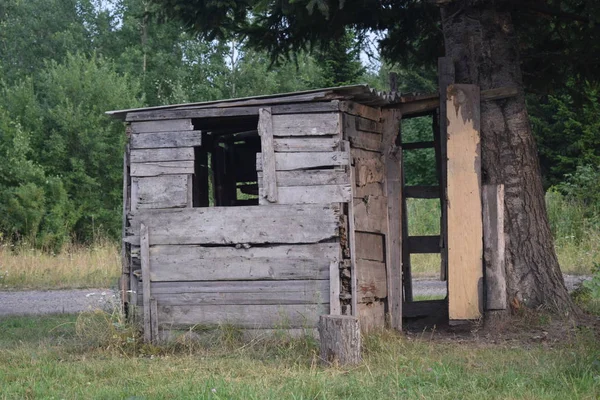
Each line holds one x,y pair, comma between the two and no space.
483,45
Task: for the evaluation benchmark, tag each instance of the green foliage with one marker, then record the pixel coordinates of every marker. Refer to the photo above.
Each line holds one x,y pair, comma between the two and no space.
340,61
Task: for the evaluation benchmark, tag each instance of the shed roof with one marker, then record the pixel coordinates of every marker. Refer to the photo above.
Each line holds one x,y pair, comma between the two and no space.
362,94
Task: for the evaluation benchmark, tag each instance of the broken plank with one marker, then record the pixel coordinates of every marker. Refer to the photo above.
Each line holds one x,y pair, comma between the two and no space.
166,139
162,168
294,161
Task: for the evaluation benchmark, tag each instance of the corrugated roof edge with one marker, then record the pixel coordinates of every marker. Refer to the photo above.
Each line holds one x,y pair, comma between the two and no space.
362,94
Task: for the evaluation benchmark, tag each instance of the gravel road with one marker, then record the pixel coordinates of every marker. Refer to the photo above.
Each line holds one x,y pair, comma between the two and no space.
73,301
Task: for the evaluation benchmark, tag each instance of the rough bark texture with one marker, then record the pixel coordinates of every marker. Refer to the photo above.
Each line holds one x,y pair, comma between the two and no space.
481,41
340,340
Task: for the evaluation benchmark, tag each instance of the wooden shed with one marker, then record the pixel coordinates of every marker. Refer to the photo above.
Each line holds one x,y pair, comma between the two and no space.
267,212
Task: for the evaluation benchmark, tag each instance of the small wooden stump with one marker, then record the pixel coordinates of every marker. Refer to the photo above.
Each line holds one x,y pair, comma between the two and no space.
340,340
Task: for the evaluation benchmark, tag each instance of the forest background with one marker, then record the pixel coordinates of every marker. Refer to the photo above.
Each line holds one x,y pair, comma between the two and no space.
63,63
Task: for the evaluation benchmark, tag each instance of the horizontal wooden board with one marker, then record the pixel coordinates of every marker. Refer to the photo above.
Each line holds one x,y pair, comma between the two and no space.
294,161
233,286
360,139
306,124
247,224
371,279
312,144
370,246
164,154
367,125
158,168
162,126
360,110
278,292
166,139
243,316
310,177
321,194
370,214
159,191
285,262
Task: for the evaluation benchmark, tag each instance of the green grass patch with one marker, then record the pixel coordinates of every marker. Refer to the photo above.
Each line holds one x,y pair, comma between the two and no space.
38,365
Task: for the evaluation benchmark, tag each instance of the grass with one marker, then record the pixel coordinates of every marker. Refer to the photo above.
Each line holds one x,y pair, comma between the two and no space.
46,357
76,266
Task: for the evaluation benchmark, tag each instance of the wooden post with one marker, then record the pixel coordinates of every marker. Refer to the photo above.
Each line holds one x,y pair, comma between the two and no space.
265,130
493,242
465,230
393,185
145,260
335,307
340,340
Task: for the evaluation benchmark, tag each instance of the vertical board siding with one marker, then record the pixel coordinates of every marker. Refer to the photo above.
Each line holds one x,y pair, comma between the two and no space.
269,179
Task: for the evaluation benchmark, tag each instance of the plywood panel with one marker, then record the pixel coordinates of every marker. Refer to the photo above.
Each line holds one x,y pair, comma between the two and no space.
306,124
465,244
247,224
159,191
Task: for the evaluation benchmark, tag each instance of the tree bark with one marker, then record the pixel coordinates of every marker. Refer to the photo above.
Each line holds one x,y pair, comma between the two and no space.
482,43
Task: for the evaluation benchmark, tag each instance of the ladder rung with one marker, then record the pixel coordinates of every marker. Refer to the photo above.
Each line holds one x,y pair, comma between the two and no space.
422,192
417,145
424,244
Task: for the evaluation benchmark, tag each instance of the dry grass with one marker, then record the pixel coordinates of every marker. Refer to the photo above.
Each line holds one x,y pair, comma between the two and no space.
76,266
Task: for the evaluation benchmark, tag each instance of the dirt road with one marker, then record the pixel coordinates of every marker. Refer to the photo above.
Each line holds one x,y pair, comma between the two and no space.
74,301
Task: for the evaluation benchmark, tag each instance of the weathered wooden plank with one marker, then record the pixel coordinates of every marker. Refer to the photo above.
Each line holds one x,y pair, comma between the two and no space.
370,246
369,171
367,125
145,255
278,292
321,194
162,126
370,214
371,189
424,244
422,192
335,308
306,124
154,320
360,110
243,316
494,246
159,191
269,179
360,139
238,287
371,316
393,236
352,243
166,139
465,247
293,161
125,265
311,177
246,224
286,262
164,154
159,168
294,145
371,280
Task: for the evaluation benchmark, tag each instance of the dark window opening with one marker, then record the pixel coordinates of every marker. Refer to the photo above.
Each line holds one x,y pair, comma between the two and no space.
225,166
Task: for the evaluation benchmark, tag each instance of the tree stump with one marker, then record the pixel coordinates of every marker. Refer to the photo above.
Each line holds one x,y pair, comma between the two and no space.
340,340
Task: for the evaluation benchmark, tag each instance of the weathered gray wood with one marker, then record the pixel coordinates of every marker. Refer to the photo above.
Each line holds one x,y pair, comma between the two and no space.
166,139
160,191
370,189
165,289
144,253
360,110
393,184
422,192
162,168
310,177
293,145
335,307
246,224
370,246
371,280
190,190
162,126
370,214
371,316
154,320
269,179
494,246
340,340
284,262
164,154
360,139
424,244
293,161
321,194
367,125
369,171
306,124
125,266
243,316
352,243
